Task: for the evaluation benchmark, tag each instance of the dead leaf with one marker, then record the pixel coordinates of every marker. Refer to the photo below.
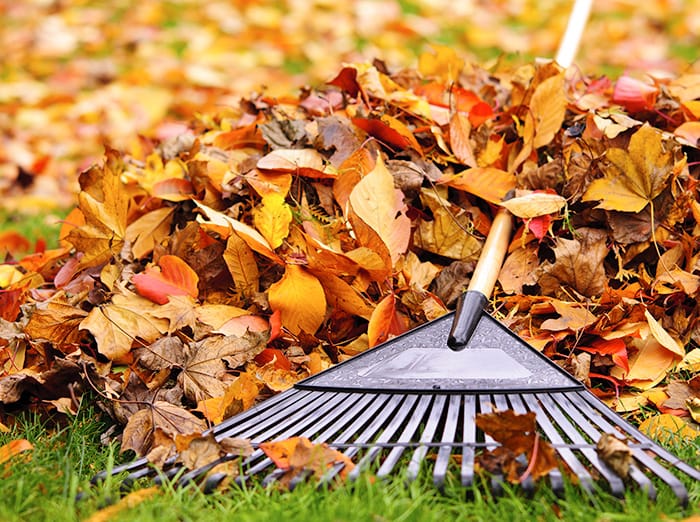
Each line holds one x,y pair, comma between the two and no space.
130,501
300,298
273,218
173,277
488,183
14,448
615,453
632,178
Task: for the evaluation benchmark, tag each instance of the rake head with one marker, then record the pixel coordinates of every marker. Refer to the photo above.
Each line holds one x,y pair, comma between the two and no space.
383,424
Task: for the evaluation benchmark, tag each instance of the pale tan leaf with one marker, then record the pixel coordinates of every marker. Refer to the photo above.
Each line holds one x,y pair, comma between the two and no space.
663,337
149,230
534,204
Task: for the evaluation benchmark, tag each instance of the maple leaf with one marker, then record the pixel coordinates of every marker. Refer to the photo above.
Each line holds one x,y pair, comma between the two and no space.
56,322
632,178
207,361
104,204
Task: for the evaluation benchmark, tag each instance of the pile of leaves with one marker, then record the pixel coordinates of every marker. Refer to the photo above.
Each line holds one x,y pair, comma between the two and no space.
281,236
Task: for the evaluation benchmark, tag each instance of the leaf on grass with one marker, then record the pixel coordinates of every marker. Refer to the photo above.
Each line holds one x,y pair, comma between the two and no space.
14,448
518,434
300,299
669,429
130,501
172,277
615,453
299,454
633,178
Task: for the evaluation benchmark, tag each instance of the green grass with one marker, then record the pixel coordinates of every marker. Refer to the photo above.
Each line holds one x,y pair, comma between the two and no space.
43,484
33,226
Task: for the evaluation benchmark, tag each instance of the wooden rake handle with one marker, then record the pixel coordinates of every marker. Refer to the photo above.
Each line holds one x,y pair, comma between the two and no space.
472,302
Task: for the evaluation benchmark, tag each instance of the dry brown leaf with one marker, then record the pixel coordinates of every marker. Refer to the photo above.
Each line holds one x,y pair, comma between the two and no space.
615,453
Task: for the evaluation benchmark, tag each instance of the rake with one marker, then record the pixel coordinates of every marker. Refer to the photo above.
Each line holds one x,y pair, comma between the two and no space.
412,401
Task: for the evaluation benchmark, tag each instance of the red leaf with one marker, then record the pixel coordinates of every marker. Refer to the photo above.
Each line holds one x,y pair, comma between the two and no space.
347,81
273,354
539,225
173,277
634,95
614,347
385,133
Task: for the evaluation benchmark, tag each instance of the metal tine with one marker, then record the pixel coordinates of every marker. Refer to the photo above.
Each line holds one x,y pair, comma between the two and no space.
448,438
556,481
339,415
581,400
407,434
434,416
309,413
469,439
554,408
372,404
143,462
583,424
350,406
566,454
368,431
486,406
528,484
669,457
386,435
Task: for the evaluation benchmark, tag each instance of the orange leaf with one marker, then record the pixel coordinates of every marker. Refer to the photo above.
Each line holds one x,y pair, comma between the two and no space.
300,299
175,277
385,322
390,131
614,347
273,355
486,182
13,242
13,448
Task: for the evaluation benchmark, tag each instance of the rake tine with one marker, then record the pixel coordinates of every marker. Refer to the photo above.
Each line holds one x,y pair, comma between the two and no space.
385,437
448,438
639,449
528,484
434,417
617,486
566,454
556,481
486,406
407,434
583,424
369,430
469,439
303,416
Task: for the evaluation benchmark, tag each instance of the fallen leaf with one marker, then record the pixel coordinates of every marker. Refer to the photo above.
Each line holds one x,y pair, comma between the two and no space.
14,448
300,299
273,218
130,501
173,277
488,183
615,453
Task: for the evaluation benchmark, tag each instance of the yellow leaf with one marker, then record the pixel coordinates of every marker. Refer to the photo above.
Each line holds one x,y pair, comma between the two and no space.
241,263
649,365
128,502
14,447
488,183
375,200
633,178
300,299
149,230
548,105
534,204
224,224
691,361
662,336
668,428
443,63
272,218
